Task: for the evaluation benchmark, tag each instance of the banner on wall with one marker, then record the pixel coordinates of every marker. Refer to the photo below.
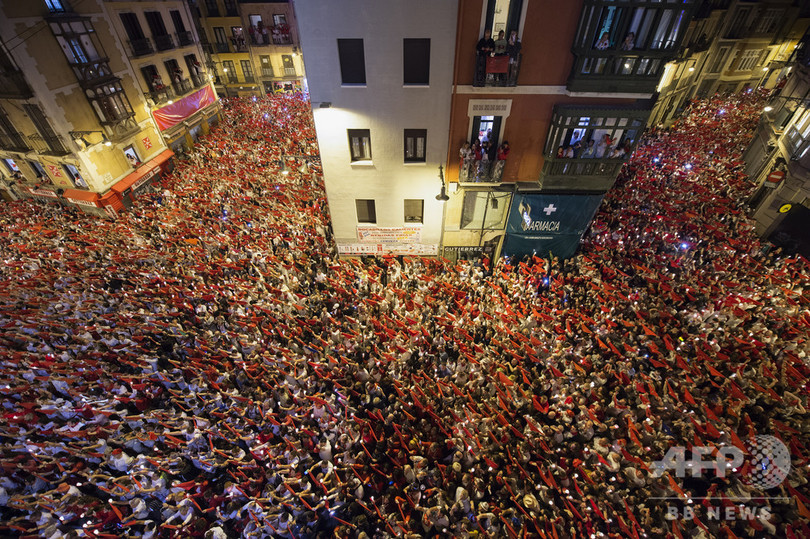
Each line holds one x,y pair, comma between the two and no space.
544,223
173,114
396,249
391,234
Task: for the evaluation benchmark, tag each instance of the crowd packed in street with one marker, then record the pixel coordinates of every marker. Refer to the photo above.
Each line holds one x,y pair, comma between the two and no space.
206,365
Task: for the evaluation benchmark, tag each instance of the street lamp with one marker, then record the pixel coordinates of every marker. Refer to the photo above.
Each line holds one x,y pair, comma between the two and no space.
442,196
79,136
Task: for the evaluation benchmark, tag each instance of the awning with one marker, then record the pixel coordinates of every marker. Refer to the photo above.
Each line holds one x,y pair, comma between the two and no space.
82,198
43,192
144,173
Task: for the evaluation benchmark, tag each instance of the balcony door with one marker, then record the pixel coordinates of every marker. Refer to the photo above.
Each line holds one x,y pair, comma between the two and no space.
503,15
481,127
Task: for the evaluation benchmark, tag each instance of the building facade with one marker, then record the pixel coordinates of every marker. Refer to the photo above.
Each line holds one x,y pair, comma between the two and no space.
731,45
163,48
571,100
253,46
379,76
778,160
76,123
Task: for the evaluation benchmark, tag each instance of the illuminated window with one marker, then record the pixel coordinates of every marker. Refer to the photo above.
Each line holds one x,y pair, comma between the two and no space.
360,144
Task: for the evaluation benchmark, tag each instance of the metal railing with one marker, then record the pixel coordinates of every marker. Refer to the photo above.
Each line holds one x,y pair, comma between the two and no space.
185,38
267,72
561,166
181,87
48,145
141,47
164,42
221,47
198,80
232,78
13,143
497,70
250,78
160,96
91,72
289,72
471,170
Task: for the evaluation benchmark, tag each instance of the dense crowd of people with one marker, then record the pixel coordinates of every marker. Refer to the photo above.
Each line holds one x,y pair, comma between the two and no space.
206,366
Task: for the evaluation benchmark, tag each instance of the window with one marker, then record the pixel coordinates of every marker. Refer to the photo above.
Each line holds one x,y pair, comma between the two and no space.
719,60
110,103
738,24
44,128
748,60
230,8
414,210
366,211
212,8
352,61
12,166
651,25
177,20
289,66
416,61
360,144
76,178
230,71
132,26
56,6
267,67
581,132
769,20
415,145
10,138
155,21
484,210
279,19
247,70
39,170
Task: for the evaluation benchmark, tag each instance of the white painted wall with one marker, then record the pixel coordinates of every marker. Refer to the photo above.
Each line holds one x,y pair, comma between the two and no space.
383,106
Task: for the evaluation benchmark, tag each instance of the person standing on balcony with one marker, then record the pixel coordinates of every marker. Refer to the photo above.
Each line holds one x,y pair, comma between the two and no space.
603,43
513,46
590,150
629,42
483,49
500,44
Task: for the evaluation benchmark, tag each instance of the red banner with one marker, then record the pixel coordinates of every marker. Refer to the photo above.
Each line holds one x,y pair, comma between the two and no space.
173,114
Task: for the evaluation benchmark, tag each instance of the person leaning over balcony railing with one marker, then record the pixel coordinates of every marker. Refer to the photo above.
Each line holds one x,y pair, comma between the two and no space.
513,46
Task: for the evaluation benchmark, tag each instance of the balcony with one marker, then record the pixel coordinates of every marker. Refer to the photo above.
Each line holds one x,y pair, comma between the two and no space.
612,71
267,72
198,80
580,174
13,86
290,72
496,70
93,73
472,171
51,145
221,48
250,78
281,35
161,95
141,47
185,38
232,78
181,87
164,42
13,143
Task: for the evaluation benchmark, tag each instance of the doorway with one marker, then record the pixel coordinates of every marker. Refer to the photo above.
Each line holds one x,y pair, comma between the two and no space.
481,127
